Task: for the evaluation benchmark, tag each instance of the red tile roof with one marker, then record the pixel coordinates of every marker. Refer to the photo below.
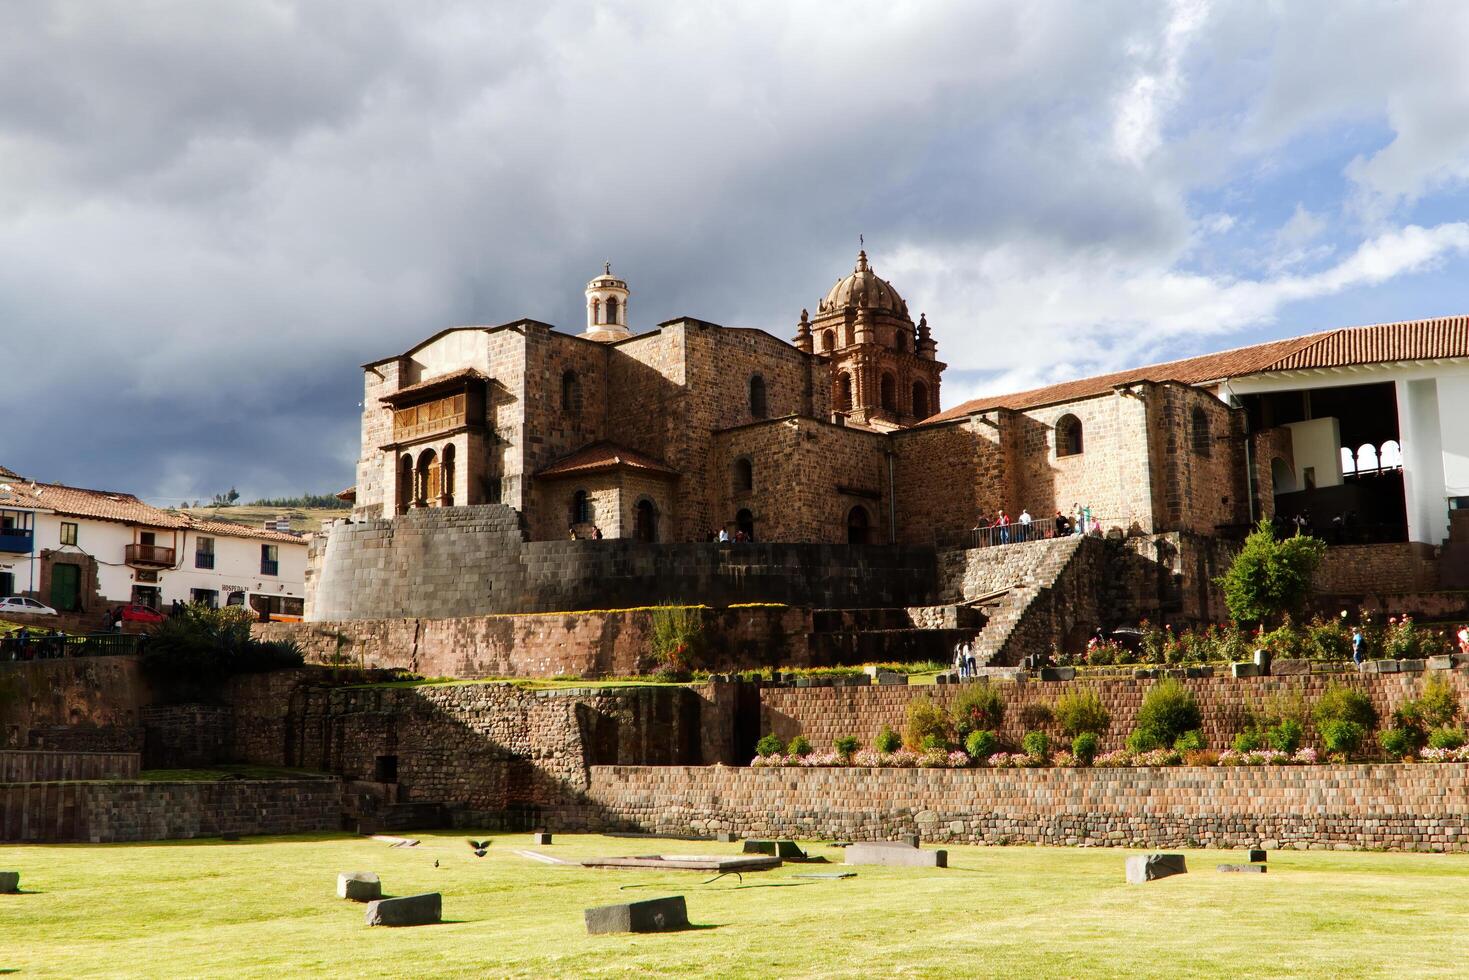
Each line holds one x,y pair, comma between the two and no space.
601,456
1378,344
450,380
229,529
125,508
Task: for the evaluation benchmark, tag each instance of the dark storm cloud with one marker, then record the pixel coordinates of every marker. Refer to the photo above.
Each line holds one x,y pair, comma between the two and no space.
210,214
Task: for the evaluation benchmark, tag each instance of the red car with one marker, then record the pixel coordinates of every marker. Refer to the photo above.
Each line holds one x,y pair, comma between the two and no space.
136,612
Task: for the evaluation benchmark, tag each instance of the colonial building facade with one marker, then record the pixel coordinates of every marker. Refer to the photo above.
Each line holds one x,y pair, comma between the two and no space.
670,434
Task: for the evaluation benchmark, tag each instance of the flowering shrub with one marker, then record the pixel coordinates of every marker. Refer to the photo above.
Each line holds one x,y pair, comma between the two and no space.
1444,755
1267,757
1125,758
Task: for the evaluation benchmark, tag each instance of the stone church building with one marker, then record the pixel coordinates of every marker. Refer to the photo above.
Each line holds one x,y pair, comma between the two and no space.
840,435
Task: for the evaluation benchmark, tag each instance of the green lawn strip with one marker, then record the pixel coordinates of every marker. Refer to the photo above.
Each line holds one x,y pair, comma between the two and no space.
266,907
217,773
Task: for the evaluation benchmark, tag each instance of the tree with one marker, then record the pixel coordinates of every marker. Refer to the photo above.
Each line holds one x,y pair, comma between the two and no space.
1270,577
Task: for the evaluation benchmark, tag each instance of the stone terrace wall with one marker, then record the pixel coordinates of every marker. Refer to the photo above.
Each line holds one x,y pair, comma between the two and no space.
1361,568
589,644
470,561
488,746
1398,807
42,767
111,812
823,713
73,704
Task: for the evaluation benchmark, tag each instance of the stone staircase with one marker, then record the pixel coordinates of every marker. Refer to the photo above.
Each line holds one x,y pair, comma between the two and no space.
1026,609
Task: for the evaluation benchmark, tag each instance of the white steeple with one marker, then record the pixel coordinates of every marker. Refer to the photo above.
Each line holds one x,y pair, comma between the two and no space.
607,307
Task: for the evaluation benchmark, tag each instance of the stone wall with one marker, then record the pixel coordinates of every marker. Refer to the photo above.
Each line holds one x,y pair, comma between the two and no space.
185,736
1354,569
17,766
485,746
113,812
466,561
589,644
822,714
1396,807
73,704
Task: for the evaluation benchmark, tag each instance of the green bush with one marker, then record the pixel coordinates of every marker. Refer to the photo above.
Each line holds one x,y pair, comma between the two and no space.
1082,711
1190,741
1036,744
1269,577
935,743
1168,710
1249,740
846,745
1084,746
1286,642
1342,736
1445,737
1341,703
981,744
1286,736
676,639
1329,640
1146,740
1439,703
769,745
926,719
887,740
800,745
977,707
1396,742
198,648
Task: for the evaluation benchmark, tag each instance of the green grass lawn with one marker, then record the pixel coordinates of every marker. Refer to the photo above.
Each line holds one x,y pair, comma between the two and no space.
267,907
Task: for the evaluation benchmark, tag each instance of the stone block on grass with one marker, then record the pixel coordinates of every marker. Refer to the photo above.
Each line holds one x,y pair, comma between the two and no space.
410,910
1151,867
1257,869
1257,855
896,856
359,886
649,915
1243,668
540,838
786,850
9,882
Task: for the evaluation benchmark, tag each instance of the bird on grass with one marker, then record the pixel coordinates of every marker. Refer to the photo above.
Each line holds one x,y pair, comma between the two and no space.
436,862
479,847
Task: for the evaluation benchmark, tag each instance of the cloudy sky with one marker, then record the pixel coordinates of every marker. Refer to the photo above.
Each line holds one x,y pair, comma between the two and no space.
212,213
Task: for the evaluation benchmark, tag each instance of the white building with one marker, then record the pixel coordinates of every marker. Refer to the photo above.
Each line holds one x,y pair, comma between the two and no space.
85,551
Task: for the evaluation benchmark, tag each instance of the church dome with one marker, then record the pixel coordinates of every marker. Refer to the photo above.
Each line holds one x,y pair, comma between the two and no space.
863,289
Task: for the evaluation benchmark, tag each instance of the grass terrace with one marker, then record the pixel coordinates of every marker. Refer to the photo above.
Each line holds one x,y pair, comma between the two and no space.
266,907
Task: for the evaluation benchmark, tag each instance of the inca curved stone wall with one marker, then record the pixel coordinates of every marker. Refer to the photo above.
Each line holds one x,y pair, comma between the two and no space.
471,561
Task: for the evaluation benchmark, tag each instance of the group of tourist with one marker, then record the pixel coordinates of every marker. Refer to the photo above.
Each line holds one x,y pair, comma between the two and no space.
1002,529
722,536
964,664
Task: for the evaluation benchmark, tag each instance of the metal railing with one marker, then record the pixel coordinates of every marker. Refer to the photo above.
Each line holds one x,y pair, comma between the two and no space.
17,540
16,647
268,567
203,559
1016,533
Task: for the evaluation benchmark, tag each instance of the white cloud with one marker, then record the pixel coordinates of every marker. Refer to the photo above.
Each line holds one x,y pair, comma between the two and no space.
1158,85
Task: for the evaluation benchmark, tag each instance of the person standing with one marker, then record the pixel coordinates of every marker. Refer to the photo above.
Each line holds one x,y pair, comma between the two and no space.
959,665
1002,521
1024,524
969,665
1358,643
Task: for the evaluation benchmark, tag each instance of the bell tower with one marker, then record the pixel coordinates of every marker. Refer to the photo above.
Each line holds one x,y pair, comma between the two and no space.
607,307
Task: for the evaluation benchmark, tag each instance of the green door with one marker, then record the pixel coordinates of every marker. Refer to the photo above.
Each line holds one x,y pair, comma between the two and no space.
66,587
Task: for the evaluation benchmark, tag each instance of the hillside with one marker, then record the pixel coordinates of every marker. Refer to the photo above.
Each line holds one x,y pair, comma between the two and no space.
302,518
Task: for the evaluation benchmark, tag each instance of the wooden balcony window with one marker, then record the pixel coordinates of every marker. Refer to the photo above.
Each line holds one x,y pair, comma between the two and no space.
149,555
430,418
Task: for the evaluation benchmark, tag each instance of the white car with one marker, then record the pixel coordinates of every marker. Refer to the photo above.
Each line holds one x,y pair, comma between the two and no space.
20,604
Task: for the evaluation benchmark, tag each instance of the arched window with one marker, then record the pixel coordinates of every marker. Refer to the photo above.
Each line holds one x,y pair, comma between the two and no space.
1348,461
428,479
1367,461
920,400
745,521
1203,443
828,339
645,521
1390,456
859,525
596,311
744,475
570,393
612,309
844,392
758,407
446,469
405,483
889,393
1068,436
581,508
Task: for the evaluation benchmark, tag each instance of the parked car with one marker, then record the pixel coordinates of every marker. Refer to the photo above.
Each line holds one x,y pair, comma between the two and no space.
20,604
136,612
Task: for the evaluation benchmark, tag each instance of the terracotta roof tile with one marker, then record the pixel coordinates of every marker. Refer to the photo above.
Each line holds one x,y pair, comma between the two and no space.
600,456
439,381
105,505
1377,344
229,529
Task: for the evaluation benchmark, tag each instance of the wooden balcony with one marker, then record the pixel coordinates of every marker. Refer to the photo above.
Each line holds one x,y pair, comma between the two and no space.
149,556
